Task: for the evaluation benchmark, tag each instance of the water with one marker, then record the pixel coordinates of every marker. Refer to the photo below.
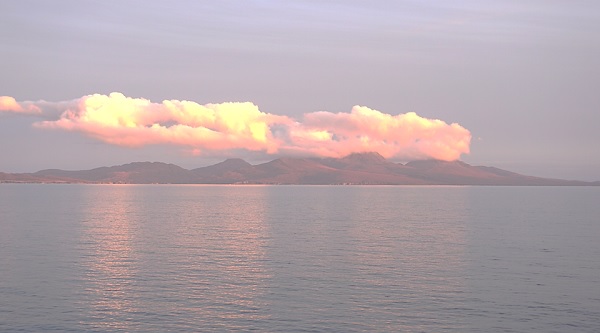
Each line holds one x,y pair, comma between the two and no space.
140,258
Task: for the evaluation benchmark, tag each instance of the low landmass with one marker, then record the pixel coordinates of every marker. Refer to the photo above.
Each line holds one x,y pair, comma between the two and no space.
355,169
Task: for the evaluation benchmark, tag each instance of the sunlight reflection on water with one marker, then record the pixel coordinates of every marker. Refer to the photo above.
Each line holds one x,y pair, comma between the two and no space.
298,258
196,257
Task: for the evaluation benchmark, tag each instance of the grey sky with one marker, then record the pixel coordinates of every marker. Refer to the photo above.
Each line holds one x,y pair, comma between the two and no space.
522,76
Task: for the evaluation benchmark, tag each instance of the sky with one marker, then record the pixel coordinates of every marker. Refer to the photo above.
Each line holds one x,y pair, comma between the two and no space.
510,84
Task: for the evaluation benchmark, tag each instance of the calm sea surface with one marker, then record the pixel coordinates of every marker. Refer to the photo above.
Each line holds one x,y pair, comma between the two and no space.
162,258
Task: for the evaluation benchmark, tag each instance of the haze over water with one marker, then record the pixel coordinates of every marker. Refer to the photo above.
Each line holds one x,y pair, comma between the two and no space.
140,258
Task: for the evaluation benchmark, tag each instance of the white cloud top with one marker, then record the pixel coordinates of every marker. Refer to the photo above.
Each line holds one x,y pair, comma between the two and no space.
134,122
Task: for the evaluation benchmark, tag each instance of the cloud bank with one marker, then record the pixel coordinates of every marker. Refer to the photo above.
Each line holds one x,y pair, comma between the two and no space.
135,122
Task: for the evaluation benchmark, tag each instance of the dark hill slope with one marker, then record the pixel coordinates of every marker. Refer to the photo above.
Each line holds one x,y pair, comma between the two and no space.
363,168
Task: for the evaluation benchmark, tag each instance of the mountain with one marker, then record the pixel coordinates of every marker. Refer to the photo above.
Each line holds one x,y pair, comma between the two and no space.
230,171
360,168
135,173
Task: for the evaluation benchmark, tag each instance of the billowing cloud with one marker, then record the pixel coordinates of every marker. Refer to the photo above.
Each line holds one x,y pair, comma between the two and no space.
134,122
404,136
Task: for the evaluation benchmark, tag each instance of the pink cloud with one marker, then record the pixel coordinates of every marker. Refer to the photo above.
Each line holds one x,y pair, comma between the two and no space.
9,104
405,136
134,122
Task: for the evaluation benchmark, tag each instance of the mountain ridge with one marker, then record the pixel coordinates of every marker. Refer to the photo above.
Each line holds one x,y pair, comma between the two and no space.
355,169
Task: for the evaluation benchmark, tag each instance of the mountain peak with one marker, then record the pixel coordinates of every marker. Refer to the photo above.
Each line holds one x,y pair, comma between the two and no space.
231,164
235,162
366,157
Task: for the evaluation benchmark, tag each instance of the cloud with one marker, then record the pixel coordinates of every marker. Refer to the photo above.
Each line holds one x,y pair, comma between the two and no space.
404,136
135,122
9,104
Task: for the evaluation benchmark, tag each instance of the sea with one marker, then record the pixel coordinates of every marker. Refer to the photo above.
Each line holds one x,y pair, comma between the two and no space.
241,258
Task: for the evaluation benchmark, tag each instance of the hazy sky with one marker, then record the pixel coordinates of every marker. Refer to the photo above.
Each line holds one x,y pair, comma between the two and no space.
522,77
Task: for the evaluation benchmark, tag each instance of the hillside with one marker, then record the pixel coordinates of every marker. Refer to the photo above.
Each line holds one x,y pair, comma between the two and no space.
363,168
